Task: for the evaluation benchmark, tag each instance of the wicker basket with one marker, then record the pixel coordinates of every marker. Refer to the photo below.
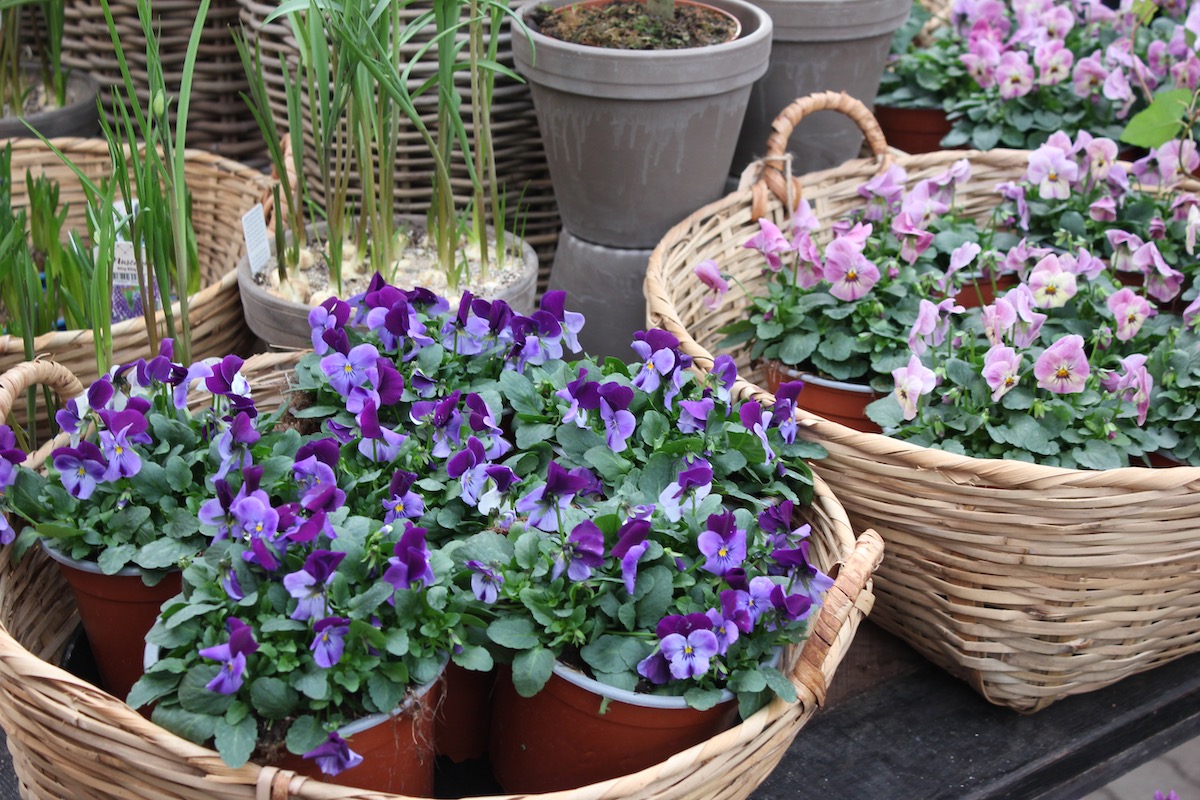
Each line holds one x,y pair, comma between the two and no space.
70,739
222,191
217,119
520,156
1029,582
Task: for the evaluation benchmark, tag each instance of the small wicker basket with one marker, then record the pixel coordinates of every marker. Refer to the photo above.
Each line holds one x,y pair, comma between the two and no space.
1030,582
70,739
222,190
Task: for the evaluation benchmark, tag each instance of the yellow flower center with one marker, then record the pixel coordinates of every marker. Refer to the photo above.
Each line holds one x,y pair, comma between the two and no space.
119,450
348,369
851,274
724,551
1063,372
687,649
1053,176
80,472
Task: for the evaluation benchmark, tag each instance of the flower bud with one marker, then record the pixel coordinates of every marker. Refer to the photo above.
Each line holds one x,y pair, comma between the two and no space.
158,104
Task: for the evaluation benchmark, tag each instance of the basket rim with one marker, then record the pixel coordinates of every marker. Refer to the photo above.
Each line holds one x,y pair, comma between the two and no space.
661,311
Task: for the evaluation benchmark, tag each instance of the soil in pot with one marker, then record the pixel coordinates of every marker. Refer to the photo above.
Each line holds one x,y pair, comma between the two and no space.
836,401
630,25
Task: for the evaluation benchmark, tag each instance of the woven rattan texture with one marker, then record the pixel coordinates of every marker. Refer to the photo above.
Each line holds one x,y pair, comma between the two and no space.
1030,582
217,119
520,156
70,739
222,190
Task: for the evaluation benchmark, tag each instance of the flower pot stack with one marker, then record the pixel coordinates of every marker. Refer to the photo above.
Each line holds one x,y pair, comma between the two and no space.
635,140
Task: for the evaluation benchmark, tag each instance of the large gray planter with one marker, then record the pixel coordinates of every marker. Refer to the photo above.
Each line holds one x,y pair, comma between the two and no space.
637,140
819,45
79,117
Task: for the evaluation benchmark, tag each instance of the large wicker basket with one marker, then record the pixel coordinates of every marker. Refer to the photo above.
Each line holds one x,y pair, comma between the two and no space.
222,190
1029,582
70,739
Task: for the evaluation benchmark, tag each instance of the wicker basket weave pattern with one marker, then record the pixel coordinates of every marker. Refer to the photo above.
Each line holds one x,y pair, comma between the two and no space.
70,739
1030,582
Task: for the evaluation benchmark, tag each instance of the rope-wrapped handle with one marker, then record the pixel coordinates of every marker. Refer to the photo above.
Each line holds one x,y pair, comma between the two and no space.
849,592
16,380
773,177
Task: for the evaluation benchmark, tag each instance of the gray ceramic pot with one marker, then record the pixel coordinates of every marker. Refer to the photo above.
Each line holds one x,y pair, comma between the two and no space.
819,45
638,140
80,117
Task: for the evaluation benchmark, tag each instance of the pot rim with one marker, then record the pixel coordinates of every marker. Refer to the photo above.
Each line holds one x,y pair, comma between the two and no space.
830,383
737,23
85,566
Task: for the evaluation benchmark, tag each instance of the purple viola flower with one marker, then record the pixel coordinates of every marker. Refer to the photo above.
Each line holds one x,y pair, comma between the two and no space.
499,480
771,242
254,519
723,544
614,411
776,523
308,585
758,601
446,420
583,552
232,656
10,457
755,420
226,379
378,443
725,630
410,564
795,562
689,656
234,443
583,396
333,314
402,502
215,512
485,582
326,450
329,641
693,415
553,303
544,504
790,607
694,483
469,467
482,420
354,369
784,412
735,609
123,460
81,468
334,756
536,340
663,365
630,547
655,668
724,373
231,584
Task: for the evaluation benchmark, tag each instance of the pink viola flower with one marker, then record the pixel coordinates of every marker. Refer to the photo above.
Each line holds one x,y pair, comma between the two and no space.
1101,155
1063,367
1084,263
1104,209
858,234
1193,223
803,218
998,319
1089,75
982,60
809,269
1001,370
1053,61
710,275
1124,245
882,192
1134,385
771,242
912,381
1052,286
1058,21
961,258
1029,322
848,271
1163,282
1011,190
924,203
1130,310
1014,75
1176,160
1118,90
1191,315
932,325
1053,171
914,239
1185,74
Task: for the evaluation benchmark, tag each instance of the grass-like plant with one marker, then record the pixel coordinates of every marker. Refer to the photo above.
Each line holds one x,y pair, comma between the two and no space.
14,88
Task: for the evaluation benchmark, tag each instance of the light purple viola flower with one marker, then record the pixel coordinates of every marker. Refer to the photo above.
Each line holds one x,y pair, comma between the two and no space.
334,756
356,368
468,466
583,396
662,363
710,275
81,469
1053,171
234,443
1014,75
630,547
1104,209
771,242
410,565
689,656
1191,315
1001,370
960,259
848,271
554,303
756,420
619,422
402,502
655,668
378,443
735,609
723,544
232,656
254,519
693,485
215,512
914,238
1089,76
10,457
883,192
725,630
783,415
231,584
445,419
1063,367
485,582
123,460
329,641
308,585
331,314
1015,192
544,504
582,552
1124,245
693,415
912,382
724,371
758,600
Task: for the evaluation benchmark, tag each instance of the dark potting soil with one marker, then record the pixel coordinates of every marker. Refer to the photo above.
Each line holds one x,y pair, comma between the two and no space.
628,25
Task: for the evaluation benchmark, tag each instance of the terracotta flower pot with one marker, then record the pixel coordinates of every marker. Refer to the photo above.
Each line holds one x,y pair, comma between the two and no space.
913,130
836,401
117,611
464,715
982,291
569,735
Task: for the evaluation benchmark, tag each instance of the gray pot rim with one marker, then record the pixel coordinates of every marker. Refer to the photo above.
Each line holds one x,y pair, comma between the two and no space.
87,90
834,20
84,566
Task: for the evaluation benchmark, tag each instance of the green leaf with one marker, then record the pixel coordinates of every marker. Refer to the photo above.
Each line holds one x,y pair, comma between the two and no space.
186,724
397,642
313,684
305,734
520,393
702,699
747,680
164,553
273,698
530,435
604,461
235,743
126,522
836,346
1099,455
515,633
779,684
797,346
113,559
656,596
386,694
961,372
151,687
1159,122
476,659
886,412
195,696
614,653
986,137
179,474
531,669
1025,433
654,428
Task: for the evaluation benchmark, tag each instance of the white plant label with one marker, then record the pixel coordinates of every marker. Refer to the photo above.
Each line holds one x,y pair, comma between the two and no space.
258,247
126,295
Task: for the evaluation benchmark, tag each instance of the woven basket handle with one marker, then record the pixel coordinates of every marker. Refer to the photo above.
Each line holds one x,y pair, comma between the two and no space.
774,179
850,591
15,381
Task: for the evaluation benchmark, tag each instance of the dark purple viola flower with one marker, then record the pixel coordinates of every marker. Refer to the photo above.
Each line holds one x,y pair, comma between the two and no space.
389,383
334,755
736,579
693,415
794,562
618,420
629,564
326,451
633,532
469,467
403,503
10,457
234,443
725,371
735,609
352,369
445,419
232,656
498,314
81,468
227,379
755,420
791,607
499,480
215,512
784,412
132,420
655,668
776,522
302,531
554,302
263,553
410,564
545,502
329,641
591,485
725,630
378,444
694,483
485,582
313,477
333,314
723,544
583,552
682,624
336,341
583,396
254,519
689,656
